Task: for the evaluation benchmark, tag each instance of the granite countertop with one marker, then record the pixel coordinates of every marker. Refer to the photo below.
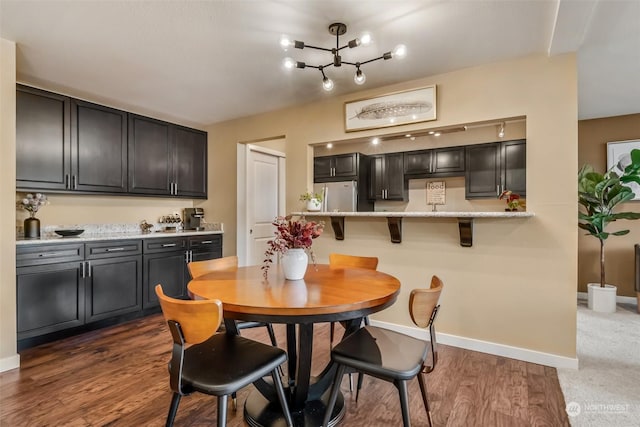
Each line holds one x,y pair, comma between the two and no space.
436,214
95,232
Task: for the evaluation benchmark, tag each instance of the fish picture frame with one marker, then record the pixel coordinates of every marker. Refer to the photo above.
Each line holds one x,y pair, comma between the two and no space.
399,108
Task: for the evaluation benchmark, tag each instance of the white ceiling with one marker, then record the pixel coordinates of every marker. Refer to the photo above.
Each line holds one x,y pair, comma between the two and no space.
202,62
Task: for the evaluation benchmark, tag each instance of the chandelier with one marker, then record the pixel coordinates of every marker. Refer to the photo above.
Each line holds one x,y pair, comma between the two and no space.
337,29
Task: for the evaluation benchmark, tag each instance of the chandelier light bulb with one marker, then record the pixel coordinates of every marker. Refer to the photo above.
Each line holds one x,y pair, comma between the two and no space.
288,63
285,42
400,51
365,39
359,78
327,84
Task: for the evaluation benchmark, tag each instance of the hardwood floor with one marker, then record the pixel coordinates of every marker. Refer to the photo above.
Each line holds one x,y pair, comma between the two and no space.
118,377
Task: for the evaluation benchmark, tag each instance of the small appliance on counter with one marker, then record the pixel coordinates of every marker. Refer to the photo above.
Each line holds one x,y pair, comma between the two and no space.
193,219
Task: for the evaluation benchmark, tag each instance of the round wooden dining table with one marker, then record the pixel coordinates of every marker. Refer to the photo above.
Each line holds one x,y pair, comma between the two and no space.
325,294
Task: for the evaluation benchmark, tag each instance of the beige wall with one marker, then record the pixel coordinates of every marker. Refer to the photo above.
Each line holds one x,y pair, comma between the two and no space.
516,285
593,136
8,356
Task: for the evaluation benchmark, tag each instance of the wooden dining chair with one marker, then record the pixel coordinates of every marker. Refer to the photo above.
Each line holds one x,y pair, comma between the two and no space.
342,261
217,364
200,268
390,355
345,261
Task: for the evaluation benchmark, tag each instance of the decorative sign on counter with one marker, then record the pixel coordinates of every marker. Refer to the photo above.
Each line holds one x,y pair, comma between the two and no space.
436,193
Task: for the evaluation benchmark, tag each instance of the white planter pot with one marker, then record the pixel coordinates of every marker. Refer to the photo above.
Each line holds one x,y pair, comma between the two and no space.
294,264
602,300
314,205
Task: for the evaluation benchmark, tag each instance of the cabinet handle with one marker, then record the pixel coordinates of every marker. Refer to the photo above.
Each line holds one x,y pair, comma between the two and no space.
66,181
88,268
75,182
206,242
46,254
114,249
169,245
498,190
82,270
175,186
188,256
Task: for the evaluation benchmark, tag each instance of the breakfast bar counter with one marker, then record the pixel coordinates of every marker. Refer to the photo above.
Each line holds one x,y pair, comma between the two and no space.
394,219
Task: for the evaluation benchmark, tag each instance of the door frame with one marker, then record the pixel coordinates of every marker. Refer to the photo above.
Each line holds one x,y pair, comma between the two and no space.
242,228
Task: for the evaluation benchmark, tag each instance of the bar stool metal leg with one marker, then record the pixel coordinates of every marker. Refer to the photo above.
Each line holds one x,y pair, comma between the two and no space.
423,389
404,402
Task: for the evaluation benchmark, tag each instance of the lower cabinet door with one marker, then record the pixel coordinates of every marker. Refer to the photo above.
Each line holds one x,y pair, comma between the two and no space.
113,287
50,298
168,270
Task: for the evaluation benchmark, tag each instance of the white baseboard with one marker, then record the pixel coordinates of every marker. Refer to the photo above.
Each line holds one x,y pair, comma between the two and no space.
523,354
619,299
9,363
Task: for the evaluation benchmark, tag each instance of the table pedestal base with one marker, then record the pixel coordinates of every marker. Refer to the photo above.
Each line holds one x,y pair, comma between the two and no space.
259,412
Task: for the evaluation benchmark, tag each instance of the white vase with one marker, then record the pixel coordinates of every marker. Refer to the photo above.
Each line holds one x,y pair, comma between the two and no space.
314,205
602,300
294,264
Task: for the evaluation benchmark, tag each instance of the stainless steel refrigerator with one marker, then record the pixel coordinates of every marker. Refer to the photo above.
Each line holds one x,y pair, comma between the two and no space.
338,196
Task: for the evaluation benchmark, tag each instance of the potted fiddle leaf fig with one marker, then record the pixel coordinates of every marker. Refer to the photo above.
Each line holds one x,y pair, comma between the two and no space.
599,195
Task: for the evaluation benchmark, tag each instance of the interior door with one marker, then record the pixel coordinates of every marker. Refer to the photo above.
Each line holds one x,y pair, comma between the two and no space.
263,197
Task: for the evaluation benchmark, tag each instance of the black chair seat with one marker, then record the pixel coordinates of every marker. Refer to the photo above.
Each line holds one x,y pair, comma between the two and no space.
381,353
238,362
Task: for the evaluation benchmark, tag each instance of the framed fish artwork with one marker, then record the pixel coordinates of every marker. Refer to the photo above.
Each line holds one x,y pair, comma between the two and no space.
399,108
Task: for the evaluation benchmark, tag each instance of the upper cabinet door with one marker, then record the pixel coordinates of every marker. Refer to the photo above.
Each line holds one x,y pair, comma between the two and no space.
150,156
514,166
190,163
99,148
322,168
345,166
482,176
448,161
43,141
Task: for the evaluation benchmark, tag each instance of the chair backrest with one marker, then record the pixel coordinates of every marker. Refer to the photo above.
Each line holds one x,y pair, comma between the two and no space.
423,302
340,260
199,268
198,320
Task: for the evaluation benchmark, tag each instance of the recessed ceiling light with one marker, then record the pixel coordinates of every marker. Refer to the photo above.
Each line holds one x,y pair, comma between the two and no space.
431,132
329,145
408,135
436,134
375,141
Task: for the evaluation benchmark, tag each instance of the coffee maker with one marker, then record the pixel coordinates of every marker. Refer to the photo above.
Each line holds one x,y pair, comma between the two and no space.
193,218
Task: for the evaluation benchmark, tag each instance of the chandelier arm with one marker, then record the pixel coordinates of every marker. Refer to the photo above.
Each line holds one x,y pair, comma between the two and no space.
371,60
318,48
352,63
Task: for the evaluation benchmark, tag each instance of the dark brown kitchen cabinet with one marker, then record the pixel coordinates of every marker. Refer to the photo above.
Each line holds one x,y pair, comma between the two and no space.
64,286
495,167
68,145
439,162
64,144
98,148
43,140
50,298
386,179
165,159
113,274
150,156
341,167
165,262
190,163
49,288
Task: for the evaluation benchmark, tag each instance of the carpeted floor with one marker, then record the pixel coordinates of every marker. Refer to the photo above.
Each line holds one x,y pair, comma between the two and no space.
605,390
